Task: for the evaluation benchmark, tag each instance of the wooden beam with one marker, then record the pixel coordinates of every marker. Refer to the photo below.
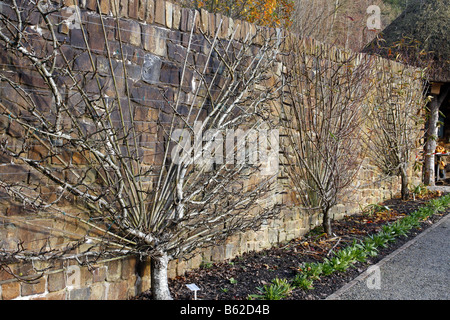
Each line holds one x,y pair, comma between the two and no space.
436,88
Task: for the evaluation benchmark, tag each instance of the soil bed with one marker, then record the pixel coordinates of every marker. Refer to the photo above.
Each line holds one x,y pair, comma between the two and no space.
237,278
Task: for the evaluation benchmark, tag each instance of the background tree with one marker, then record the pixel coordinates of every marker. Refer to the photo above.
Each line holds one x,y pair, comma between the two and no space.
270,13
323,115
340,22
99,144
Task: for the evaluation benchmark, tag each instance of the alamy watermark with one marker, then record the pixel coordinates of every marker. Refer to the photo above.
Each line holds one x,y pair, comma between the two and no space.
373,281
74,19
374,20
259,147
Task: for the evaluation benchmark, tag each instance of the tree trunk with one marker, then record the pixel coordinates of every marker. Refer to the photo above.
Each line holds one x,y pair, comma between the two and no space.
431,136
430,147
326,221
404,177
160,284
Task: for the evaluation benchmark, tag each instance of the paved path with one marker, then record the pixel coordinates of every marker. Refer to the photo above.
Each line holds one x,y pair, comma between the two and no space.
419,270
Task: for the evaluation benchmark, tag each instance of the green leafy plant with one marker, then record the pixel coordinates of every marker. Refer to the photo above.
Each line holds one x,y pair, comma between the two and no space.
206,264
279,289
312,270
398,228
410,222
361,253
436,205
327,268
423,213
302,281
388,235
347,254
370,247
377,240
338,264
371,209
232,280
420,190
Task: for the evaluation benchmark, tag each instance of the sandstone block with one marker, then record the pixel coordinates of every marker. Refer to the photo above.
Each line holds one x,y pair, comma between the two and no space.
149,10
133,9
169,14
114,270
104,7
10,290
129,268
97,291
176,16
155,40
145,95
95,30
60,295
91,5
204,20
170,74
151,69
117,291
160,14
99,274
56,281
79,294
36,287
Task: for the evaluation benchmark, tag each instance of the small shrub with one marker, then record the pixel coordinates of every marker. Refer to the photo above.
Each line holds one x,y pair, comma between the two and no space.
302,281
420,190
312,270
371,209
347,254
338,264
378,240
436,204
361,253
279,289
399,229
327,267
370,247
206,264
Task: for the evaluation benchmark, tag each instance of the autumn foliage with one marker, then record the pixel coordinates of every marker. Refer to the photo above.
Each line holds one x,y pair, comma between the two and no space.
273,13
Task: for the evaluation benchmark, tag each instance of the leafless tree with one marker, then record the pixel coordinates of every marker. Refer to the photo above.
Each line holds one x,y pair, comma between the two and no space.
342,23
324,112
75,127
315,19
395,119
410,51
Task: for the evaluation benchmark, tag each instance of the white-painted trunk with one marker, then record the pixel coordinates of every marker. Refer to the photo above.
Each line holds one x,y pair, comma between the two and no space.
160,284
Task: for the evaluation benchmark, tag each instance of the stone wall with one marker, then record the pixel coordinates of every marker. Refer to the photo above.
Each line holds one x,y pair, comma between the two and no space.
66,280
155,34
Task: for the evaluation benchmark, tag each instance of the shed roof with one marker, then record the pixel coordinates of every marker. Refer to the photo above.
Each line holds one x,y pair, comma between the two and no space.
420,36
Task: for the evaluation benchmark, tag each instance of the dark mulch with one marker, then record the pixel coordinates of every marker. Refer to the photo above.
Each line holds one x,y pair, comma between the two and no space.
236,279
